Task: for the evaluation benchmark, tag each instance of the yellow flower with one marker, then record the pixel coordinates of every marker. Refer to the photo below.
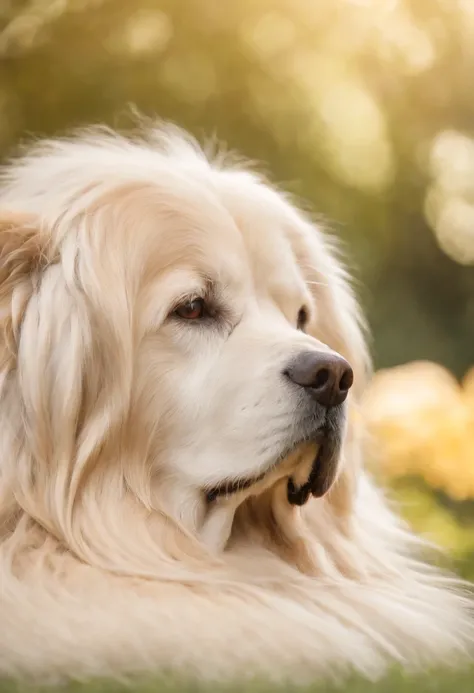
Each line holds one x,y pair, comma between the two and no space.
421,422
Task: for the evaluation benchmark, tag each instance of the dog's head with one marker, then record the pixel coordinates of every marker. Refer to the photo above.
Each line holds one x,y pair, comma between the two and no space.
175,335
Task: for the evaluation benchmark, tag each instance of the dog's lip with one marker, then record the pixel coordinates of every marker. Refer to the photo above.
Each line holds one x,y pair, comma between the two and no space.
229,487
316,485
323,470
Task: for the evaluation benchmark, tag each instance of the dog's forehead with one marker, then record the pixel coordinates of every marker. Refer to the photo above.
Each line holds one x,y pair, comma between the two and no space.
226,226
187,226
262,219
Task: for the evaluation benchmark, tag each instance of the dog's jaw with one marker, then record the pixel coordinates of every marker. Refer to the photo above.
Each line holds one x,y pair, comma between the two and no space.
219,515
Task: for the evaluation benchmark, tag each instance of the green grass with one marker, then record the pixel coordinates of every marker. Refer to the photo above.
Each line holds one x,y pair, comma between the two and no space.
397,682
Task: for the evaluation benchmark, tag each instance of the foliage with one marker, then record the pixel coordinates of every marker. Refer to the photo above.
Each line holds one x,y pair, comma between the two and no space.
363,108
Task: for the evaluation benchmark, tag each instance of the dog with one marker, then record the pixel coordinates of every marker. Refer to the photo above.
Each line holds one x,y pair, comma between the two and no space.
182,485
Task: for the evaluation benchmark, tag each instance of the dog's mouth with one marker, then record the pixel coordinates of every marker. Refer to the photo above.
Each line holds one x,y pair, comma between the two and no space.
229,487
323,472
325,465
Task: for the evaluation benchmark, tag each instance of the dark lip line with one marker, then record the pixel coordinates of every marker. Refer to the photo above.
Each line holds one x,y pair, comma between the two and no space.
229,487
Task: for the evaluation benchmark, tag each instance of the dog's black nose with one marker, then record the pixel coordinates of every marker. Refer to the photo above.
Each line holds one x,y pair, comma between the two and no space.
327,376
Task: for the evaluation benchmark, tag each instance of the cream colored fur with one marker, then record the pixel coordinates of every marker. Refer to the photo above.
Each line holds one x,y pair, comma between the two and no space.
114,418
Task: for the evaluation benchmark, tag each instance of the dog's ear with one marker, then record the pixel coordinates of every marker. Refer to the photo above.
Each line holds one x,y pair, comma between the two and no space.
22,254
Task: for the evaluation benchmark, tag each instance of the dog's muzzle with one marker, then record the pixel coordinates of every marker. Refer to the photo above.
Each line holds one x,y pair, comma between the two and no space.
322,381
326,379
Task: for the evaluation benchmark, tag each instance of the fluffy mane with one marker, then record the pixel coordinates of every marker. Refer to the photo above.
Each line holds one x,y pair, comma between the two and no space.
103,569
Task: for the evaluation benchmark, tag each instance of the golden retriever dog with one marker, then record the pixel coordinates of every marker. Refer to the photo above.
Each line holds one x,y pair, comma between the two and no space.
181,477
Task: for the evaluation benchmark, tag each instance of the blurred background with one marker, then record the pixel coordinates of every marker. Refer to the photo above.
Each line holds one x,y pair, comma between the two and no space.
364,109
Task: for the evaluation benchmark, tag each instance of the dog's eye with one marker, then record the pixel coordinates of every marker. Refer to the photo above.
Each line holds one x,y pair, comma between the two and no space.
302,318
191,310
